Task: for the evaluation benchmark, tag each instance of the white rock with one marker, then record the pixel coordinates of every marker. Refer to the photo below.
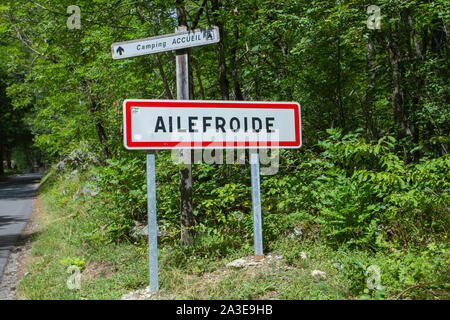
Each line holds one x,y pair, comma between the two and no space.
318,275
303,255
144,294
238,263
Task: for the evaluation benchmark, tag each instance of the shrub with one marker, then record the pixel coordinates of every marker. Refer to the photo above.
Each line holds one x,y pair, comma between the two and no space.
122,197
362,194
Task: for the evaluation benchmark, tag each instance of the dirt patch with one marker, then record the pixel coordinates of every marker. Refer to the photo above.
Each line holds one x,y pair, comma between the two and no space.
97,269
20,256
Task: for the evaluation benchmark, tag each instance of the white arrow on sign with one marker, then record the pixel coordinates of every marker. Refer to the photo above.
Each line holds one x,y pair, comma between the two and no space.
167,42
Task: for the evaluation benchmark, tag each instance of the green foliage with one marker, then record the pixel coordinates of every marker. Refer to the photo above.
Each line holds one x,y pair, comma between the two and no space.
197,270
69,261
361,193
423,272
225,205
351,188
378,183
123,196
414,273
369,190
313,52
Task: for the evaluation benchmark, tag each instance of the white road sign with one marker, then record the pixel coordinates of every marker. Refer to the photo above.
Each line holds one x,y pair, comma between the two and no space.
193,124
168,42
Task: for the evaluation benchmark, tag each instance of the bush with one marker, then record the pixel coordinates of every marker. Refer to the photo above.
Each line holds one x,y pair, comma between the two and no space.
362,194
355,192
123,195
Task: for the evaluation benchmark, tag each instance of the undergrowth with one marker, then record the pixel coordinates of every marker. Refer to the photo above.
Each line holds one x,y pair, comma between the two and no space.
347,208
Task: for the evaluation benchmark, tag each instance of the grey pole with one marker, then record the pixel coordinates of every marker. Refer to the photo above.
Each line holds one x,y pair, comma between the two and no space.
152,224
256,206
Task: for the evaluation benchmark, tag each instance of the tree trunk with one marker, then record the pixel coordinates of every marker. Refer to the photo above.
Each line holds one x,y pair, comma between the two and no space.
370,88
199,79
234,68
398,96
187,216
186,210
184,92
102,137
339,86
169,93
412,28
418,80
100,131
223,81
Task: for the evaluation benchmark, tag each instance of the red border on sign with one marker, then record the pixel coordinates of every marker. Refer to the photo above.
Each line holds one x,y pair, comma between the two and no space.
209,104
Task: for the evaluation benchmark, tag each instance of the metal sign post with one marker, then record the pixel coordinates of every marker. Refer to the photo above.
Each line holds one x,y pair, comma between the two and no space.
152,223
256,206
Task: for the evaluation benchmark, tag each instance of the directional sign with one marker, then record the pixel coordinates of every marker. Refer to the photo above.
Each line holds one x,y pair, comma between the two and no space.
181,124
167,42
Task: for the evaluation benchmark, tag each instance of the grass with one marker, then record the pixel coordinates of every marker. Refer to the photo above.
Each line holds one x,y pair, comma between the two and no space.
70,234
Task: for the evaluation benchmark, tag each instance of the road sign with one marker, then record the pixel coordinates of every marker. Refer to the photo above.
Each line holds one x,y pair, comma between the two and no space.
180,40
186,124
167,42
193,124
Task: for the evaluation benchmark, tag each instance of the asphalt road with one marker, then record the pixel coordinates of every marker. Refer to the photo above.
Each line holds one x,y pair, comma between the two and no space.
16,203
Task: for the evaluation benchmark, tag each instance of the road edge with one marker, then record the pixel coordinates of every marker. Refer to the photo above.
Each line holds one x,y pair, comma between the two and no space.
19,256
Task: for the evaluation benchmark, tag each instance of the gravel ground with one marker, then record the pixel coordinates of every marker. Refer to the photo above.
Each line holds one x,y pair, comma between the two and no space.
9,281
